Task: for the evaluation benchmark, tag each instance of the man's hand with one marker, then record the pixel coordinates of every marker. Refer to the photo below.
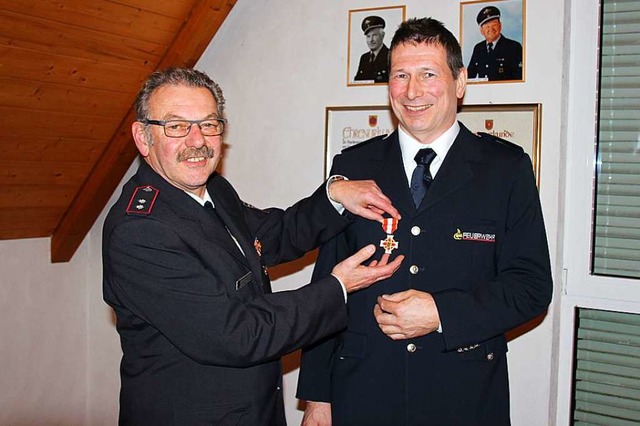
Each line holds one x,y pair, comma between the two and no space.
363,198
317,414
356,276
407,314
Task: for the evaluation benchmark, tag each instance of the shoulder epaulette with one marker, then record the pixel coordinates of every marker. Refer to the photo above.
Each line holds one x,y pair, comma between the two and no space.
492,138
142,200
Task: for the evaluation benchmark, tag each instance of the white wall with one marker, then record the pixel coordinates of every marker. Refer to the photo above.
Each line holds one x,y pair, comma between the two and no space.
43,311
281,62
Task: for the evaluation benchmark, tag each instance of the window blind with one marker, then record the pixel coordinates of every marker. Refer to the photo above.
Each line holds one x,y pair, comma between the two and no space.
616,248
607,369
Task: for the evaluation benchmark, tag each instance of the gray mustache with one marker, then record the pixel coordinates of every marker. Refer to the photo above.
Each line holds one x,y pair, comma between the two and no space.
203,151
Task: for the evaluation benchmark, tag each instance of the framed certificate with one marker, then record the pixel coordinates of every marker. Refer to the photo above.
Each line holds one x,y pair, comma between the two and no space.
517,123
346,126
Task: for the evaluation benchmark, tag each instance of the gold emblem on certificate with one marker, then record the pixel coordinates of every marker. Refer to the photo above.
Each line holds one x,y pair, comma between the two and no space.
389,226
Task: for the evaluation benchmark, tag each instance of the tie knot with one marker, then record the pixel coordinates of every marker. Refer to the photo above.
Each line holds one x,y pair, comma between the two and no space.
208,205
425,156
489,47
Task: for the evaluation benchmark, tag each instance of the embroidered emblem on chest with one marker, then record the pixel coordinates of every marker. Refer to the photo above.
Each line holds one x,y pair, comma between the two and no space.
474,236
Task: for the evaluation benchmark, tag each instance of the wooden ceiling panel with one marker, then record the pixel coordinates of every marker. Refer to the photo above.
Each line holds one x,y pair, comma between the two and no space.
110,17
38,96
69,74
26,124
32,196
29,222
15,173
47,149
36,34
51,68
173,8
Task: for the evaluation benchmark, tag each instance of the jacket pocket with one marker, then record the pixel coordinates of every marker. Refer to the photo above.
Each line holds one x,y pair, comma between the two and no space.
353,345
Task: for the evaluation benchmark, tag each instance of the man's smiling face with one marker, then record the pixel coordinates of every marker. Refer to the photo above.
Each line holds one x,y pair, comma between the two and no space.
422,90
185,162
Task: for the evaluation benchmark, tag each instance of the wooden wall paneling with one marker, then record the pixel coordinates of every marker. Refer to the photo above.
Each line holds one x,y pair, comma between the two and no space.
203,22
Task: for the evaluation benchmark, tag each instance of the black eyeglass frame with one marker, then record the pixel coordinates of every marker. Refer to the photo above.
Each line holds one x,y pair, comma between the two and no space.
163,123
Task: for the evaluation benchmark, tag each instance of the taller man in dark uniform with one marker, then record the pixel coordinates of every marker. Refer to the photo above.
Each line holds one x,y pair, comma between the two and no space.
427,346
185,269
497,57
374,65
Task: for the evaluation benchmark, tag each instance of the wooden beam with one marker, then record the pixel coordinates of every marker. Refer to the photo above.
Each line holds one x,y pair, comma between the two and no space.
204,21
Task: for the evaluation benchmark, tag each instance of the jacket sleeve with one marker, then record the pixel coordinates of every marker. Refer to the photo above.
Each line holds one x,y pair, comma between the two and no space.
157,282
472,69
288,234
522,287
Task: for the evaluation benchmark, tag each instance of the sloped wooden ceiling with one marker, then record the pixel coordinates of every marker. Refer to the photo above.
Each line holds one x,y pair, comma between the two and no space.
69,73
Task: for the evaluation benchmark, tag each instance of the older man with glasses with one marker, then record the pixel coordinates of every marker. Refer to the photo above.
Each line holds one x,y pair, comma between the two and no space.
185,269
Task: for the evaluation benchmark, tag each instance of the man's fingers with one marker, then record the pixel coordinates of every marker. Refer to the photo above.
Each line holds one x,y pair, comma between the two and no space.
363,254
384,259
395,297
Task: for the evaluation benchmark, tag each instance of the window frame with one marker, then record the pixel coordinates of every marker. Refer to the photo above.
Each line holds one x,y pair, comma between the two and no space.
580,288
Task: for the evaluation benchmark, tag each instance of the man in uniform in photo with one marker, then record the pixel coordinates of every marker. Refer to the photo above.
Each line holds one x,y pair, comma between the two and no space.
374,65
497,57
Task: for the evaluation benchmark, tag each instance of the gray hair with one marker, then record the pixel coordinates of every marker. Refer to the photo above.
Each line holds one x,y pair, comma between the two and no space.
178,77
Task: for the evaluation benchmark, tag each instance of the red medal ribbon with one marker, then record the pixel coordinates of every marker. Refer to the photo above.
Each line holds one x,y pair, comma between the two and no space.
389,225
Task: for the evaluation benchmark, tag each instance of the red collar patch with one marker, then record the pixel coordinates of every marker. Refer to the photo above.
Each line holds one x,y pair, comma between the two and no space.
142,200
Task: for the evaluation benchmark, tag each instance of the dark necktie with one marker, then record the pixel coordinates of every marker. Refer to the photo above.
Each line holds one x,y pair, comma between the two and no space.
489,47
421,177
208,206
372,57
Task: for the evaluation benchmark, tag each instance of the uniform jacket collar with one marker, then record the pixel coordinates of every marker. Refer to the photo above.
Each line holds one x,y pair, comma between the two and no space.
198,220
456,170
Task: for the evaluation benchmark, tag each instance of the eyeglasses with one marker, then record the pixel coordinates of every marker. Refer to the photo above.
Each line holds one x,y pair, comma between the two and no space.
181,128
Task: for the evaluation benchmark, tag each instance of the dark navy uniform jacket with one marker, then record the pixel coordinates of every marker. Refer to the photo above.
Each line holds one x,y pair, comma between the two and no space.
503,63
378,70
200,331
477,243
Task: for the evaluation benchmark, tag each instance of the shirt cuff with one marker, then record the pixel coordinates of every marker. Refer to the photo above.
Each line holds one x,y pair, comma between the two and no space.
344,289
339,207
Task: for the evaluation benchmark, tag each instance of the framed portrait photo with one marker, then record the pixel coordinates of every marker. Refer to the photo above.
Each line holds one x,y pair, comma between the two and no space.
517,123
346,126
492,36
370,32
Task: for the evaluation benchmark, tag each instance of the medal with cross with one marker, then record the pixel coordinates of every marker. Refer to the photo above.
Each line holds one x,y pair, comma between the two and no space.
389,225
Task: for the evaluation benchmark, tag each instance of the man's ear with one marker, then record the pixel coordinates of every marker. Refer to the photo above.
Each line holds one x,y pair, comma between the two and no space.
461,82
140,138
